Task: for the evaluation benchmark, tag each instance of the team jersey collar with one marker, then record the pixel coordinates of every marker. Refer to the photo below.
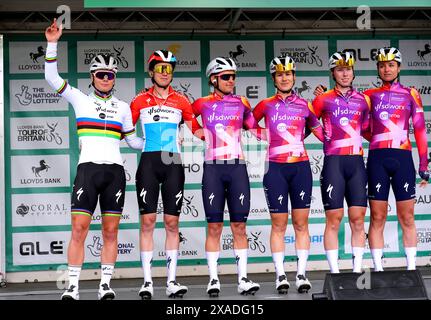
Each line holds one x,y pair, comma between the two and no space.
289,99
151,91
219,97
102,97
347,95
389,86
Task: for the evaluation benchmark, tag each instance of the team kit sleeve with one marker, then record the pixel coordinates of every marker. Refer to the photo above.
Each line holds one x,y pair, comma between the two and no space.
317,105
366,119
135,109
71,94
313,124
190,120
129,131
251,123
418,121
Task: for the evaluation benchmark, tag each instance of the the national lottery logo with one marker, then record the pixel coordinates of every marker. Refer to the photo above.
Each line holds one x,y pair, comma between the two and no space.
24,98
36,55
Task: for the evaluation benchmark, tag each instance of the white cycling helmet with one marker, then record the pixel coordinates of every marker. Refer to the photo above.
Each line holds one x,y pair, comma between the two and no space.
343,59
389,54
104,62
220,64
282,64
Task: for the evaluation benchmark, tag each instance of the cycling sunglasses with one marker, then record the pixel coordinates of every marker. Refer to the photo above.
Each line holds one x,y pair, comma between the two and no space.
105,75
164,68
226,77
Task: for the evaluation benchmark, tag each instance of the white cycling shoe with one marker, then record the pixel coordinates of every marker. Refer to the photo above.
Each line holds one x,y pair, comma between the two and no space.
175,290
246,287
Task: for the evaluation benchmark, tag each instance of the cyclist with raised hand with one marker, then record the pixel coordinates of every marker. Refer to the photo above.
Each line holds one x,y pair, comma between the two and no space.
390,159
161,110
288,168
102,120
225,175
345,116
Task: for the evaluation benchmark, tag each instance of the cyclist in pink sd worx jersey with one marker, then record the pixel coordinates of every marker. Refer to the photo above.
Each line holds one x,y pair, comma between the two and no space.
390,159
345,115
225,173
288,169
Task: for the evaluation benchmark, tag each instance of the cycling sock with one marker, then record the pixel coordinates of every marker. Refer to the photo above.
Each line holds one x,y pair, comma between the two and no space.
332,256
171,263
302,256
377,255
74,272
106,271
147,260
241,262
278,258
357,253
212,260
411,258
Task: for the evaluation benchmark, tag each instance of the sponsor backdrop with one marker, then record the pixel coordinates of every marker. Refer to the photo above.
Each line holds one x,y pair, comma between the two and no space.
42,148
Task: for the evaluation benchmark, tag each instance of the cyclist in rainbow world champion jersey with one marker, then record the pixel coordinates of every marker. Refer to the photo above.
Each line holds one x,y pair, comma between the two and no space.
288,169
161,110
225,175
390,159
345,116
102,120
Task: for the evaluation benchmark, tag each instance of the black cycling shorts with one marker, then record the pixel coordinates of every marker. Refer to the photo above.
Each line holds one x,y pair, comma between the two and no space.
93,181
226,181
343,176
154,171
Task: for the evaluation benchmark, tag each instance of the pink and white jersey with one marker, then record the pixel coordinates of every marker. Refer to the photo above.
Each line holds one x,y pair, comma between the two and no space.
222,120
344,119
391,109
285,122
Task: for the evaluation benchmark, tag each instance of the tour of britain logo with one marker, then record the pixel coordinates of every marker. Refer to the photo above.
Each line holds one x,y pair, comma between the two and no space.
184,88
307,55
116,52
